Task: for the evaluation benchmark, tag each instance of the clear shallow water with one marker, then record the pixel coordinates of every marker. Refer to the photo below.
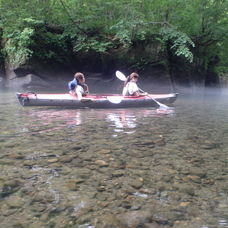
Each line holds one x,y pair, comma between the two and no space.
144,167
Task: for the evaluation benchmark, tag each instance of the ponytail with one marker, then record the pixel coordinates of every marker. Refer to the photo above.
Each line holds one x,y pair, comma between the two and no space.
129,77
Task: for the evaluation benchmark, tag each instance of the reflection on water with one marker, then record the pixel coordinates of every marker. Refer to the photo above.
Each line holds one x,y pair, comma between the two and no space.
44,120
126,120
147,167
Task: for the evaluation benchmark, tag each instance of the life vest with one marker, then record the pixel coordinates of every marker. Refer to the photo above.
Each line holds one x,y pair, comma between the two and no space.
72,85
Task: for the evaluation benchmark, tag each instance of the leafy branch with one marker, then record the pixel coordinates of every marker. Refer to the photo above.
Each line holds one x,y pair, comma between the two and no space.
181,43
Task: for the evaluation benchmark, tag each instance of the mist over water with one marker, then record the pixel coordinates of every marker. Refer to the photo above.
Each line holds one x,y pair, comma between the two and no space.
114,167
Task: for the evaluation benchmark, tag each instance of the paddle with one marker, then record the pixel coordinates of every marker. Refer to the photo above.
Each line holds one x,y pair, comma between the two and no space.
115,99
122,77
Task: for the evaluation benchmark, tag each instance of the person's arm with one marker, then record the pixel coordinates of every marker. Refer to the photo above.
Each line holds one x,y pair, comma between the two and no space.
86,89
136,91
139,92
143,94
86,99
80,97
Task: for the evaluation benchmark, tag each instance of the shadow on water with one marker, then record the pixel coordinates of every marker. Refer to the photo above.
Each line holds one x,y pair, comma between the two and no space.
146,167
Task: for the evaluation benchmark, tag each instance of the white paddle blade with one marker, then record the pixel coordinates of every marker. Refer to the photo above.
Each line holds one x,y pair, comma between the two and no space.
115,99
121,76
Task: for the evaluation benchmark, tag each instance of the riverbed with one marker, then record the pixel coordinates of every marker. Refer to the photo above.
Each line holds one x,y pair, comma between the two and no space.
140,167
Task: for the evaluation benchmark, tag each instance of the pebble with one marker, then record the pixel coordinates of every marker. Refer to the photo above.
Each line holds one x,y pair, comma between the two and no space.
15,202
105,151
12,183
73,186
184,204
118,173
188,190
135,218
136,184
53,160
66,159
101,163
7,161
195,179
16,156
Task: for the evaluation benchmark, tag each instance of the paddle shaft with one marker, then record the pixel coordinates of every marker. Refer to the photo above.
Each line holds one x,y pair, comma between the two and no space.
160,104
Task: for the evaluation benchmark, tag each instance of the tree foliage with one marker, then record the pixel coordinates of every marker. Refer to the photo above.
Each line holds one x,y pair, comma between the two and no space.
195,31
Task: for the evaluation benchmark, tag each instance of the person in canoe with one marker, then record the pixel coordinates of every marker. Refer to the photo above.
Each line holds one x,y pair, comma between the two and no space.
79,88
130,86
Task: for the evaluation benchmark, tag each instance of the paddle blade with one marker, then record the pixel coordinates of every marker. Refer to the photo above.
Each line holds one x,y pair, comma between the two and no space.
162,106
121,76
115,99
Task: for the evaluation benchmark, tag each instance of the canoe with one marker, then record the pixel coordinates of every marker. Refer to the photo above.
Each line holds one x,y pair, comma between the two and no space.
101,100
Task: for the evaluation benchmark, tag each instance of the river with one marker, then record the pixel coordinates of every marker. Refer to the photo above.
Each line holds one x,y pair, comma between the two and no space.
141,167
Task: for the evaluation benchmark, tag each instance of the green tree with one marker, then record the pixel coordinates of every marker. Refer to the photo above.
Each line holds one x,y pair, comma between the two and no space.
190,36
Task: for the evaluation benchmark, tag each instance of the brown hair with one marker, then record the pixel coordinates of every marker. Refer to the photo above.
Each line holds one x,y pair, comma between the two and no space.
79,76
130,77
